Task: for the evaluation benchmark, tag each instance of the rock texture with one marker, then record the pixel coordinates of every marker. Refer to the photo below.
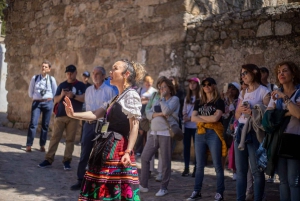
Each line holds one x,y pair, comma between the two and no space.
172,37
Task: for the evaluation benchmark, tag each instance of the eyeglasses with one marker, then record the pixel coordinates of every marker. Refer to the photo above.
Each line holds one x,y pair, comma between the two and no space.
244,73
164,87
206,85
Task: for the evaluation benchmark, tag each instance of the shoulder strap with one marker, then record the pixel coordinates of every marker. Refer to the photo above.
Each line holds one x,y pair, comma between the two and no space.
272,87
36,77
50,81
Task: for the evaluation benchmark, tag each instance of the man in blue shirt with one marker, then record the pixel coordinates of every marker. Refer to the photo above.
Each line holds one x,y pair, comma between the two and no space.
42,89
95,96
75,90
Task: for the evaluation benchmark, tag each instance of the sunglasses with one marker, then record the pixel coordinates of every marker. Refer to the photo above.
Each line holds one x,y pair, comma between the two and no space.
206,85
244,73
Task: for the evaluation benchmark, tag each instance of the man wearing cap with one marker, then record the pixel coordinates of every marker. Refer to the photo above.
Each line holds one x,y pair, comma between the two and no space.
85,79
75,91
264,79
95,96
42,89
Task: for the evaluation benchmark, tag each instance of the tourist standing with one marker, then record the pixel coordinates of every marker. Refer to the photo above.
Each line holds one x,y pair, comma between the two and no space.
95,96
190,127
207,115
42,89
112,173
255,94
75,90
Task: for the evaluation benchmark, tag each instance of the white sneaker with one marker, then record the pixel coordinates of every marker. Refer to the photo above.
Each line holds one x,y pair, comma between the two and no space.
143,190
158,177
234,177
161,192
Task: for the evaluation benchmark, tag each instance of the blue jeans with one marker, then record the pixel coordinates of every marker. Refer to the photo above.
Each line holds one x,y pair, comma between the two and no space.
289,176
189,133
242,159
211,140
36,109
86,148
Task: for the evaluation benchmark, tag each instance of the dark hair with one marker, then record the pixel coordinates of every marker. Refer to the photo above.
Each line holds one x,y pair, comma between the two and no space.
254,71
203,97
136,70
170,85
293,68
188,98
176,85
159,80
47,62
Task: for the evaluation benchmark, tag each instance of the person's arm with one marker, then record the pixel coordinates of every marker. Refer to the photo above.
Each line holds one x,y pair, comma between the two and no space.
294,109
148,109
31,87
58,97
169,107
79,98
88,116
206,119
134,127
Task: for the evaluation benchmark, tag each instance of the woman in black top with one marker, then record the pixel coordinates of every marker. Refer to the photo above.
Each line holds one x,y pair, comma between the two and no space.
207,114
112,172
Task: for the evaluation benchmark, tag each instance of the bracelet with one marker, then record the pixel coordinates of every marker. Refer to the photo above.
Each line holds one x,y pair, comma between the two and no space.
128,151
287,102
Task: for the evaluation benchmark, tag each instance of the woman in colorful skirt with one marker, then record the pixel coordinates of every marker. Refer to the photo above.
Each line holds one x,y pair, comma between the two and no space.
111,172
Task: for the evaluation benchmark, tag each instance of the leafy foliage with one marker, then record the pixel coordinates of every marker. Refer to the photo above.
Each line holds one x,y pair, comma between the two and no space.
3,5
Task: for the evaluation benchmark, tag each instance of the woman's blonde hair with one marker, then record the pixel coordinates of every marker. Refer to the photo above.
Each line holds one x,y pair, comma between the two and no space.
148,79
215,95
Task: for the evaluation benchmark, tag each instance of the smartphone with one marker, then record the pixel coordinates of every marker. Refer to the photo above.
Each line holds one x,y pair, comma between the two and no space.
245,103
225,88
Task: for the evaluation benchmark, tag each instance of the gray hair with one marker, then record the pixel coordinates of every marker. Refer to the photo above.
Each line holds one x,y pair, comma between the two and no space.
102,69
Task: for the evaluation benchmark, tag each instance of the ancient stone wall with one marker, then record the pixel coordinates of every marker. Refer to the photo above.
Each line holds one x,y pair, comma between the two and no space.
172,37
218,46
88,33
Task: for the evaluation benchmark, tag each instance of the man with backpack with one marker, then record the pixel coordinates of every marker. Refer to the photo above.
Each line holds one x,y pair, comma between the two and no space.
42,89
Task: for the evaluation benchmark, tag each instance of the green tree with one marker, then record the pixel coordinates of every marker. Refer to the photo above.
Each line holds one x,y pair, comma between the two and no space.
3,5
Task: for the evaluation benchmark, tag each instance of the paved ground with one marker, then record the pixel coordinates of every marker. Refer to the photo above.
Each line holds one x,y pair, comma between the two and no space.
21,179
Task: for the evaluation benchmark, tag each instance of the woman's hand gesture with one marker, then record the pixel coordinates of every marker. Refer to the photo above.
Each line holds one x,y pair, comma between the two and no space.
126,159
68,107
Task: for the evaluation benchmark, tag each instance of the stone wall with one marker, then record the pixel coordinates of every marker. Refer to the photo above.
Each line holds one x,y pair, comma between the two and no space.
172,37
219,45
89,33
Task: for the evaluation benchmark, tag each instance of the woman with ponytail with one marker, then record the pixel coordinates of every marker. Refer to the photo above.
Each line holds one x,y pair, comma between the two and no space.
112,173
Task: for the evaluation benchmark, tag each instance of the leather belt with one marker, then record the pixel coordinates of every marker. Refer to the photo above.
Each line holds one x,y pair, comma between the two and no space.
43,100
92,122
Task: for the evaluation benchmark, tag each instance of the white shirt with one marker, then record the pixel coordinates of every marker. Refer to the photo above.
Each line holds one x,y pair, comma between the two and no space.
253,98
42,83
148,93
270,88
188,109
95,98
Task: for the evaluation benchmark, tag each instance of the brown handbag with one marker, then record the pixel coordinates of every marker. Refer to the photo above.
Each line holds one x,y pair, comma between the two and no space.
175,132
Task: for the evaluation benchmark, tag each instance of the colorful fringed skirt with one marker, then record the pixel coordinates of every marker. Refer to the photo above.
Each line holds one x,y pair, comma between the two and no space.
110,180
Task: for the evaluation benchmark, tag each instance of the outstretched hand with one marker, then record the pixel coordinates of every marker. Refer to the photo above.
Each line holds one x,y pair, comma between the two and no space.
68,107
